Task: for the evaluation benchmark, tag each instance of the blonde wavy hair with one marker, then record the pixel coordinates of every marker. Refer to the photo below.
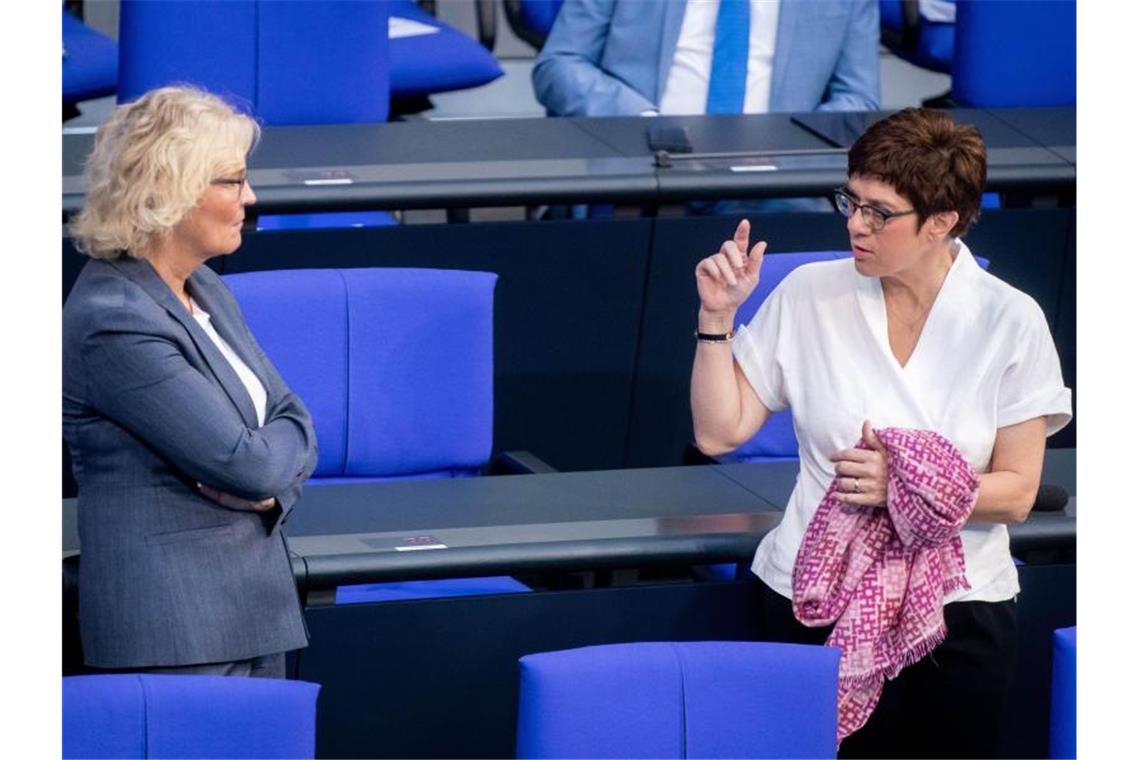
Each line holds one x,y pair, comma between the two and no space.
152,162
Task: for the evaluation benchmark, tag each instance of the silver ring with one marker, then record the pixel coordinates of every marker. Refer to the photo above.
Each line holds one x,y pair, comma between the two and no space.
857,488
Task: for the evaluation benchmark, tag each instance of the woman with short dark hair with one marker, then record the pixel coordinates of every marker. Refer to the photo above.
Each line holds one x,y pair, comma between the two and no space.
905,366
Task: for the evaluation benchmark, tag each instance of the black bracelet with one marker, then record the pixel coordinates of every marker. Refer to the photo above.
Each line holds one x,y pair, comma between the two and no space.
714,337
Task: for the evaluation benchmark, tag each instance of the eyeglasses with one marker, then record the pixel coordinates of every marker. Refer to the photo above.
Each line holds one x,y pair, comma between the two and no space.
238,182
873,217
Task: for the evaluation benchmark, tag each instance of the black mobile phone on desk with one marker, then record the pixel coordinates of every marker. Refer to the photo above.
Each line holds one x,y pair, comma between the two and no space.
669,138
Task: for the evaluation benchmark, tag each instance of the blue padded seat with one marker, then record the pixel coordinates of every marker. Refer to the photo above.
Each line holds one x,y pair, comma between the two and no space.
932,44
1015,54
302,62
679,699
324,220
776,441
135,715
90,62
446,60
1063,709
396,367
539,15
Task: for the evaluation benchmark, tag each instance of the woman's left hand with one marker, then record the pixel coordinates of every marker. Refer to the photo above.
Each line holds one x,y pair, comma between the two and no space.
862,472
230,501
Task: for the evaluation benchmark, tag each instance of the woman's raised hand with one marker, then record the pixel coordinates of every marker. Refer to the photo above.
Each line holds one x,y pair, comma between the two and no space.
728,277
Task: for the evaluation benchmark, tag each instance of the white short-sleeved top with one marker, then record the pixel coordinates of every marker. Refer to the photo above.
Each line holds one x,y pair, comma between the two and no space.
985,360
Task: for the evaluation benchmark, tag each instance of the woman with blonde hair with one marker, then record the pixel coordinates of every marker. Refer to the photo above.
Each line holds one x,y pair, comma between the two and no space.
188,448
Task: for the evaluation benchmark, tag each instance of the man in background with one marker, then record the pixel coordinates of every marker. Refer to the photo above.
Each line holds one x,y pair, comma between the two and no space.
630,57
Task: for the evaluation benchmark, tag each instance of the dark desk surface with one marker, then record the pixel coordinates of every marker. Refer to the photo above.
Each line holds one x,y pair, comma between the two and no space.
532,161
402,530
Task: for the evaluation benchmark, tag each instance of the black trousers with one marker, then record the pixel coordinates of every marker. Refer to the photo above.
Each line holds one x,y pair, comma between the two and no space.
950,704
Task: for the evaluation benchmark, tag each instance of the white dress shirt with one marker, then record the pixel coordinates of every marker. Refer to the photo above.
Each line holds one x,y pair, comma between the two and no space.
687,88
252,385
984,360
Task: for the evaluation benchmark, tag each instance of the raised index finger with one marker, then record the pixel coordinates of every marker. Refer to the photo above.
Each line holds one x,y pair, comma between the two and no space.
741,236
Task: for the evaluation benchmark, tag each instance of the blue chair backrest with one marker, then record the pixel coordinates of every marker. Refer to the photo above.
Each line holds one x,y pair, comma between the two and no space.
396,366
302,62
1063,709
776,441
674,700
134,715
1015,54
539,15
90,61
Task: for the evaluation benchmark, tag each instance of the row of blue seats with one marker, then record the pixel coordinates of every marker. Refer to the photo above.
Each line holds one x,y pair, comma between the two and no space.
642,699
998,54
294,63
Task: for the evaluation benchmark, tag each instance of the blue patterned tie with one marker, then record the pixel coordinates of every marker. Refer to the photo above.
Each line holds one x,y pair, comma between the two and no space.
730,58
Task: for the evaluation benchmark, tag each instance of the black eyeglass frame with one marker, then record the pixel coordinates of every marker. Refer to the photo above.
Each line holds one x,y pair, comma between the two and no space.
875,218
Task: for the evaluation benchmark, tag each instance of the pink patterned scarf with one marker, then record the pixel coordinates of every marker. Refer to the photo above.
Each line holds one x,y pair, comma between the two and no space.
880,574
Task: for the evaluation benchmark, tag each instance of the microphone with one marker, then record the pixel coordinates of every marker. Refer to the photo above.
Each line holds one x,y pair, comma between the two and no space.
1050,498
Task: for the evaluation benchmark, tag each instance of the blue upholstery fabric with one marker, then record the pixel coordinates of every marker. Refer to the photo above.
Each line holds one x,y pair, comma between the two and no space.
322,62
776,441
306,62
676,700
397,369
429,63
1063,717
406,590
932,48
103,716
325,220
298,318
90,62
205,43
1013,55
395,365
136,715
539,15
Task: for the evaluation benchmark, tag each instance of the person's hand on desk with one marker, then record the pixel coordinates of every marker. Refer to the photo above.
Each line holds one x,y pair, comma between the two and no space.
862,472
727,278
229,501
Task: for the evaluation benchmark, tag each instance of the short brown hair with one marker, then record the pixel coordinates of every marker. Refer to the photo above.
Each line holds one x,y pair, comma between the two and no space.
929,159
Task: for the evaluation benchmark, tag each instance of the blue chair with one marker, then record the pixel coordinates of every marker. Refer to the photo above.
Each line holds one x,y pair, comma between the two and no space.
439,61
531,20
1063,710
915,39
776,441
396,367
704,699
304,62
288,63
1015,54
90,63
134,715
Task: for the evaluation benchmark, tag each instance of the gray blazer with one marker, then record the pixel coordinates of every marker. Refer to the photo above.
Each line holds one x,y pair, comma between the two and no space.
150,408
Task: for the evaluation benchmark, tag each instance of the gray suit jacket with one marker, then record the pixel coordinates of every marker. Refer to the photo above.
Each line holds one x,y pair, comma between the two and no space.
150,408
612,57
